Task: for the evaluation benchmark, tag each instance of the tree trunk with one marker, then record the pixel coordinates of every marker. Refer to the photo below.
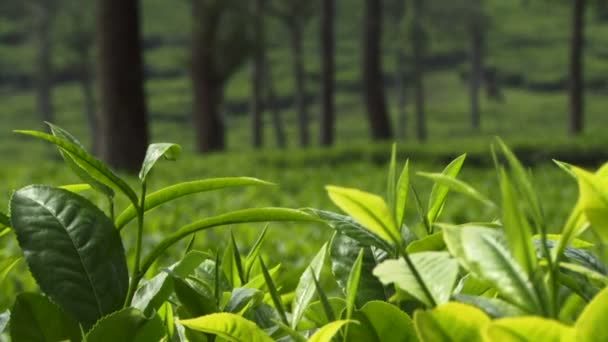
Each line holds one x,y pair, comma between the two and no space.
576,68
373,83
88,95
44,79
300,88
257,105
327,74
123,125
417,40
275,113
475,76
207,85
400,90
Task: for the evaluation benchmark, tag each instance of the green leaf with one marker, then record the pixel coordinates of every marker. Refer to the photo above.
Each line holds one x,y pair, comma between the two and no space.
196,302
305,290
382,322
234,217
128,324
259,282
6,266
576,243
4,220
454,184
72,249
516,227
451,322
403,185
76,188
483,252
92,166
154,292
591,274
529,329
318,314
343,251
276,298
4,319
330,314
229,326
253,253
242,299
433,242
72,163
327,333
594,200
368,209
165,312
352,286
154,153
591,324
493,307
35,318
232,265
437,270
175,191
348,226
439,192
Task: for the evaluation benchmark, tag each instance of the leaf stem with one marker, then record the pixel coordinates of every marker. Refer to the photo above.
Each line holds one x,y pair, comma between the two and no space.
137,274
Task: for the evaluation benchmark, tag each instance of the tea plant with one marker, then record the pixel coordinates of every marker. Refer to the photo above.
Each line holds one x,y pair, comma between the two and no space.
503,278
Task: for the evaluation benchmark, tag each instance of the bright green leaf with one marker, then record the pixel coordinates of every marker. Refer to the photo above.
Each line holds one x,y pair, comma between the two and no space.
6,266
368,209
253,253
594,200
305,290
439,192
437,270
327,333
229,326
391,186
529,329
591,324
451,322
276,298
382,322
76,188
72,249
154,153
433,242
403,186
352,286
457,185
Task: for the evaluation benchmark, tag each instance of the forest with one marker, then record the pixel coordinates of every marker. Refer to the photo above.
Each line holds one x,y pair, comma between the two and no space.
293,170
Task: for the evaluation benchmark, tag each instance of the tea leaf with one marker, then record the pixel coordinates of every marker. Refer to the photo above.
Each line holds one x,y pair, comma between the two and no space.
92,166
327,333
76,188
274,294
439,192
594,200
254,252
590,324
175,191
529,329
391,186
35,318
6,266
154,153
403,186
127,325
457,185
305,290
63,232
437,270
368,209
352,286
229,326
377,322
451,322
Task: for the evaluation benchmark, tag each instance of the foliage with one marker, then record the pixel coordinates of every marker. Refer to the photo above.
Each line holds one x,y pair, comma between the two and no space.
504,279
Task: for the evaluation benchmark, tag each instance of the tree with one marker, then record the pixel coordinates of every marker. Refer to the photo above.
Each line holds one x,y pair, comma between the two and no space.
43,13
395,12
327,72
373,82
576,85
294,14
259,57
221,42
418,38
123,125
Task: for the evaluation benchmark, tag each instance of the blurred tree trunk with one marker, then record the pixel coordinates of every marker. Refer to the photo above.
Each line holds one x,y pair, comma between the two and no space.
401,92
295,29
257,103
44,77
417,38
275,112
86,80
123,125
476,75
373,83
576,68
327,72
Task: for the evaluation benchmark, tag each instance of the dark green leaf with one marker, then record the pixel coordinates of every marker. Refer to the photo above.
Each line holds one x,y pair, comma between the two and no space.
4,220
330,314
242,297
94,167
196,302
382,322
234,217
154,153
71,162
127,325
72,250
493,307
35,318
343,252
175,191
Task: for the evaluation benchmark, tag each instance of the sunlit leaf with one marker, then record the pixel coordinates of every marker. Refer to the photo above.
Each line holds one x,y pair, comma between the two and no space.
529,329
229,326
591,324
439,192
457,185
305,290
327,333
156,152
451,322
128,324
